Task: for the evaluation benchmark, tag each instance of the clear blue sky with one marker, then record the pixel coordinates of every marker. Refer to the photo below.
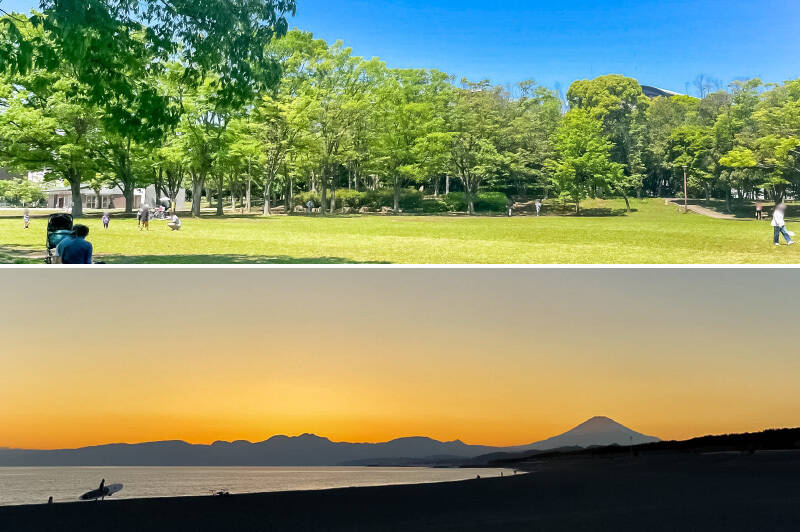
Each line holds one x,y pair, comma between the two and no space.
660,42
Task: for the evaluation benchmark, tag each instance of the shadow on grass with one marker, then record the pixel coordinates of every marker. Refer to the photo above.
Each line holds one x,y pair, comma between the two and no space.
226,259
592,212
21,255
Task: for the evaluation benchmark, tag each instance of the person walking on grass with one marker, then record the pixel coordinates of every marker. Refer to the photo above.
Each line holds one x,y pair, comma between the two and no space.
26,218
106,219
538,206
779,225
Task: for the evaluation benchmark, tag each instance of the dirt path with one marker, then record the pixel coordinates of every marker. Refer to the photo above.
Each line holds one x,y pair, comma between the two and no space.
697,209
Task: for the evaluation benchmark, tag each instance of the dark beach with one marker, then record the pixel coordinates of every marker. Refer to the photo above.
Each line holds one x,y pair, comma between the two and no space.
725,492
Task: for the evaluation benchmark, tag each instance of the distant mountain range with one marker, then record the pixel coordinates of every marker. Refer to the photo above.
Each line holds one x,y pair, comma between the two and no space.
311,450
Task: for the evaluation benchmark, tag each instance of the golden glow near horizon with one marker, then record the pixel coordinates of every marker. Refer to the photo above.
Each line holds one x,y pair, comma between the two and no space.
498,357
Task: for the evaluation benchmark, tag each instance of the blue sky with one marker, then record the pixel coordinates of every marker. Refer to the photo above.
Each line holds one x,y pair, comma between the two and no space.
660,42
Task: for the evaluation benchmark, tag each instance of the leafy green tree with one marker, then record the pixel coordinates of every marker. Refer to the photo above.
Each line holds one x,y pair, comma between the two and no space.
475,121
692,146
621,105
583,161
21,192
533,120
47,122
406,115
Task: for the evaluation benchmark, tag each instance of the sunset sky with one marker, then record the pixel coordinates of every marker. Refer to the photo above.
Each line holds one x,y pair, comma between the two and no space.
486,356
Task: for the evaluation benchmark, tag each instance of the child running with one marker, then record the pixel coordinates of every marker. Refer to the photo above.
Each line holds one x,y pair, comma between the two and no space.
105,219
26,218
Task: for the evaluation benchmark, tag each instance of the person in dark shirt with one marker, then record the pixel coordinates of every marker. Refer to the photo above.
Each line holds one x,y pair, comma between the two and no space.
77,250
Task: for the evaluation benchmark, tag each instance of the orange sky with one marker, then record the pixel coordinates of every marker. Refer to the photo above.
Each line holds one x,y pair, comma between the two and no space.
487,356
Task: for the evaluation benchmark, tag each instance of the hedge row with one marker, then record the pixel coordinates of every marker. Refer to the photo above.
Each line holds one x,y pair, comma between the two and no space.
410,200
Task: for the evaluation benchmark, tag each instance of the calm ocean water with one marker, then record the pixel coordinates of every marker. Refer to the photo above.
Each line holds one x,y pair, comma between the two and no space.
32,485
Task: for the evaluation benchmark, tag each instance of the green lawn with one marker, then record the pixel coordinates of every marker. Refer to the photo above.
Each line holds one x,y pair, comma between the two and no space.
655,233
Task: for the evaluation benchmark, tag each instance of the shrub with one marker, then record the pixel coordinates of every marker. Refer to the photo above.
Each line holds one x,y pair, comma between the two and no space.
484,202
491,202
301,198
350,198
432,206
410,199
455,201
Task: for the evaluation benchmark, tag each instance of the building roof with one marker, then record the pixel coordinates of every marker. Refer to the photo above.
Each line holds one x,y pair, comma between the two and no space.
655,92
86,189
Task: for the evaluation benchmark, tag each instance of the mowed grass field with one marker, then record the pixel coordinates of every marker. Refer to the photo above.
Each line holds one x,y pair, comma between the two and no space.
654,233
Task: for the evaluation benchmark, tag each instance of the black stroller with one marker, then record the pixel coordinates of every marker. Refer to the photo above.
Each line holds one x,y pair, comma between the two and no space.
59,226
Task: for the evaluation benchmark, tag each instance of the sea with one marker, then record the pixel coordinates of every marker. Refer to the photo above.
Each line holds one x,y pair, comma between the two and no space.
33,485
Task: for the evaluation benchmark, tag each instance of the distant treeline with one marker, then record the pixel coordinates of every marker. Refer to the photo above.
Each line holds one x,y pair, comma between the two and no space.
140,96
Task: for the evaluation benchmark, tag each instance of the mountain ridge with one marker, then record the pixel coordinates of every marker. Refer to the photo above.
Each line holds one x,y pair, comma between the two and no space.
306,449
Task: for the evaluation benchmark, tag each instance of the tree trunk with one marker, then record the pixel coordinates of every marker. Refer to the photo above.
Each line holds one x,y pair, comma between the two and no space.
323,207
396,194
75,187
627,203
197,194
446,185
267,194
247,194
333,197
436,187
128,193
470,202
220,212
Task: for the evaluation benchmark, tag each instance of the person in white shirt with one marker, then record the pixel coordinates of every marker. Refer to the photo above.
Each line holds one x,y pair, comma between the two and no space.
538,205
175,223
779,225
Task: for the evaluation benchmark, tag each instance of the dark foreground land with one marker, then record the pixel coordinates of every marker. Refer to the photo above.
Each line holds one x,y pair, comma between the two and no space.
725,492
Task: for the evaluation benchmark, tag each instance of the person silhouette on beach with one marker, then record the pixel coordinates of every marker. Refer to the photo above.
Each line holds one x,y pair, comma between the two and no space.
102,485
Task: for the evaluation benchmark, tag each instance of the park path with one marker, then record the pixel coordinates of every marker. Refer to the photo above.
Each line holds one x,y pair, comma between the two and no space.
697,209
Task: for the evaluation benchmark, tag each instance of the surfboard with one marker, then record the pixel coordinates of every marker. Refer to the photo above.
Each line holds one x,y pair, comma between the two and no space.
98,493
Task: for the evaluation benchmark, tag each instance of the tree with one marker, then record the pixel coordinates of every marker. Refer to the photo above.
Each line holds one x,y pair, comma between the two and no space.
406,115
532,122
47,122
692,146
338,86
21,192
619,103
583,162
664,115
474,123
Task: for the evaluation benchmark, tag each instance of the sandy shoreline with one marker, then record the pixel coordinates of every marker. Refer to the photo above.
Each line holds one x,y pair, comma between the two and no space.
727,492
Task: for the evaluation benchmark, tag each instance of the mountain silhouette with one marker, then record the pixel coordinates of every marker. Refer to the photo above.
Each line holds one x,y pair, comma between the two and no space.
306,450
599,430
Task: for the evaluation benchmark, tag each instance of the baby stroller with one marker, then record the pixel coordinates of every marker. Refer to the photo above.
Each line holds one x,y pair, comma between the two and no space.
59,226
